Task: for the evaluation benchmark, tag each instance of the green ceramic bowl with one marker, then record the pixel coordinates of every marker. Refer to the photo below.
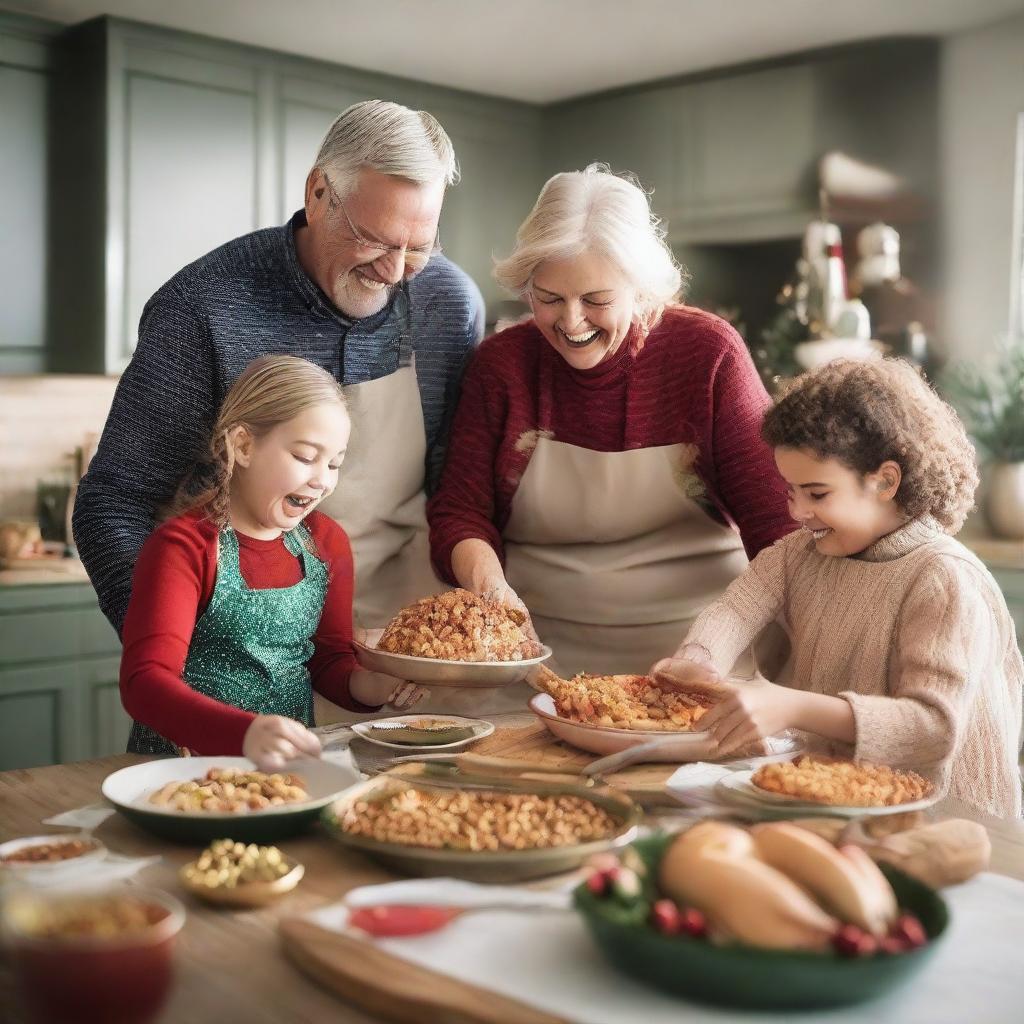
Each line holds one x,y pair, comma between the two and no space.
743,976
129,789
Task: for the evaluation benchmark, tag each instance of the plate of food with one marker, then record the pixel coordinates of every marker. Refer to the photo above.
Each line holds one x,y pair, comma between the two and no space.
846,788
482,829
607,714
192,799
413,733
51,854
455,639
774,919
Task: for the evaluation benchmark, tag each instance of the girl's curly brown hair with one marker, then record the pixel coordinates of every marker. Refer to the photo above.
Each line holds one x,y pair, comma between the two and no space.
864,413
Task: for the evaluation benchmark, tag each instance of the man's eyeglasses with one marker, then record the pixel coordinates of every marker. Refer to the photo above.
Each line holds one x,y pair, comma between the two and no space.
415,258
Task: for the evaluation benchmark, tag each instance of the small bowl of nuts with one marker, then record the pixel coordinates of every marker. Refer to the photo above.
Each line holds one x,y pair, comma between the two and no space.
234,874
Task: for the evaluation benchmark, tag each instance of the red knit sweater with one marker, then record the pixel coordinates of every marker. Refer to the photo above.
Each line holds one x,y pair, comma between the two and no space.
172,584
693,382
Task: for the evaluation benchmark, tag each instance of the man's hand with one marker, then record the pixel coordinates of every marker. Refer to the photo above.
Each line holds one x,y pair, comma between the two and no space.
273,740
750,710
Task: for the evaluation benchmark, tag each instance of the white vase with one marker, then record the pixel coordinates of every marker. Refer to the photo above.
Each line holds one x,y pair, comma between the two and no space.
1004,504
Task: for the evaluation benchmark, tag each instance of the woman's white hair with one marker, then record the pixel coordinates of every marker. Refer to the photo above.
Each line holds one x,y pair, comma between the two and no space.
388,138
596,210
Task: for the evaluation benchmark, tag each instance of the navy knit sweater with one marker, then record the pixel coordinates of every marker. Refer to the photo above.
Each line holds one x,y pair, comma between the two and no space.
247,299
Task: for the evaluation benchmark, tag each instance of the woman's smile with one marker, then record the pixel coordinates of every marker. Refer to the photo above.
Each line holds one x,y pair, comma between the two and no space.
580,339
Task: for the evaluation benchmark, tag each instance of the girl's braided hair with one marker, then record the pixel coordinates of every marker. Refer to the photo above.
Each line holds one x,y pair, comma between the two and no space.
864,413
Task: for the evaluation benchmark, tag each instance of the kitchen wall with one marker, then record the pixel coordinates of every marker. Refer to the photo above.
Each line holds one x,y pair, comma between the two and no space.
44,418
981,102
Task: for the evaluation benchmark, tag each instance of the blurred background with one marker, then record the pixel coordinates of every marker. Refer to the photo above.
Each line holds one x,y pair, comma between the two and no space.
836,179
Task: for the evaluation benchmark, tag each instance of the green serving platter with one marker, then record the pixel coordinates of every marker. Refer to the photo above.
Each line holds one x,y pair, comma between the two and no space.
747,977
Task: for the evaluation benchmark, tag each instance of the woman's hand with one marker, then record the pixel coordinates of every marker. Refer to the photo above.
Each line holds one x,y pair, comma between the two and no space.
750,710
273,740
376,689
497,589
477,568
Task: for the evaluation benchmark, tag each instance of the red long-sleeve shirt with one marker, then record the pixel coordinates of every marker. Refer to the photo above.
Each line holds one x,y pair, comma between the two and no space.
172,584
693,382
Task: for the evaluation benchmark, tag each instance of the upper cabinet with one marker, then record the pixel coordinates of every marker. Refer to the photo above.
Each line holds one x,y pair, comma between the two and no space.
732,156
180,143
25,69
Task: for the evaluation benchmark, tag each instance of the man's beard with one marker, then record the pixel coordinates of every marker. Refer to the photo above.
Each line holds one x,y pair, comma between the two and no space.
357,301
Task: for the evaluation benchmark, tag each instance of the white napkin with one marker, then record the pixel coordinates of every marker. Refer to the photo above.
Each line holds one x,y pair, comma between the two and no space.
694,784
87,818
112,867
440,892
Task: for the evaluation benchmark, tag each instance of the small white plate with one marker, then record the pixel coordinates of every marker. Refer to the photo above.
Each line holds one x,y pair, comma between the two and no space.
52,867
465,675
738,787
480,729
673,745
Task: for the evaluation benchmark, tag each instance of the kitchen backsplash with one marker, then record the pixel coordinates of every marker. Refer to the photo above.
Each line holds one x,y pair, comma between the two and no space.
42,420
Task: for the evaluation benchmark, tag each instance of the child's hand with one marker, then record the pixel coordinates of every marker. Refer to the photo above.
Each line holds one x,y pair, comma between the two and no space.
272,740
689,670
375,689
750,710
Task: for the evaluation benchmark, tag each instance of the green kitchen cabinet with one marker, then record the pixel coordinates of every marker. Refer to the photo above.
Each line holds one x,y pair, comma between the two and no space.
25,83
180,143
732,154
59,661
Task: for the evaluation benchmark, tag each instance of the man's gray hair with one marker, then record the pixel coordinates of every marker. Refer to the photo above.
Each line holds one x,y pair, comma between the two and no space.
388,138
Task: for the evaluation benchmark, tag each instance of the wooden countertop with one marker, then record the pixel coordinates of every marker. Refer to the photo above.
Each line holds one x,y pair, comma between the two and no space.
220,948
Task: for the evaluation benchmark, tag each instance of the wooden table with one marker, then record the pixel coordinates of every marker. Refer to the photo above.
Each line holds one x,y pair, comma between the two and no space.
230,965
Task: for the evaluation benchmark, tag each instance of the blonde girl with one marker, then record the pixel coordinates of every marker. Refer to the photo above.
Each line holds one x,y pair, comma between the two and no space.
241,602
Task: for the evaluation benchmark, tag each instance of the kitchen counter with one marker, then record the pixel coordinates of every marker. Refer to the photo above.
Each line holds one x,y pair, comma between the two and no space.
33,572
218,948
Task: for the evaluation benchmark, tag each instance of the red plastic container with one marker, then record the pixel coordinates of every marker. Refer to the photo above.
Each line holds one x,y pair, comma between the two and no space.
118,979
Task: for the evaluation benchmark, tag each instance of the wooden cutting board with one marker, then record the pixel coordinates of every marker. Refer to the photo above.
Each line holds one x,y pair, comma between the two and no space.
644,783
395,989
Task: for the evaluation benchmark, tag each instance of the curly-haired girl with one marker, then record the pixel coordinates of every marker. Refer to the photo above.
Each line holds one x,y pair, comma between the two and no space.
241,603
903,648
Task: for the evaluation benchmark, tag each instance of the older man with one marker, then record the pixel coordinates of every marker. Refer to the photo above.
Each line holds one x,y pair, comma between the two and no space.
355,283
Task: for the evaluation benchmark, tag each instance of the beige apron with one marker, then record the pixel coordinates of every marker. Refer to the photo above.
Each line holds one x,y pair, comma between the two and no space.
612,555
380,503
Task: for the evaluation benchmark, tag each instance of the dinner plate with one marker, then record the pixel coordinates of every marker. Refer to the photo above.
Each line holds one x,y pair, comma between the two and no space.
739,788
467,675
673,745
480,729
129,789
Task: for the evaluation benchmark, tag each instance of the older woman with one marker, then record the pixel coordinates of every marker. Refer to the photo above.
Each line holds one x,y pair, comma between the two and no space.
606,450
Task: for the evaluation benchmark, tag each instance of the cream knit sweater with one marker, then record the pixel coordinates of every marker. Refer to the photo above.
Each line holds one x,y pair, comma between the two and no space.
913,632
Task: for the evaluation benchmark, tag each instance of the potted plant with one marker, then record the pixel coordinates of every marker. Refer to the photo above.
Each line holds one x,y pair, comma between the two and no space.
992,404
